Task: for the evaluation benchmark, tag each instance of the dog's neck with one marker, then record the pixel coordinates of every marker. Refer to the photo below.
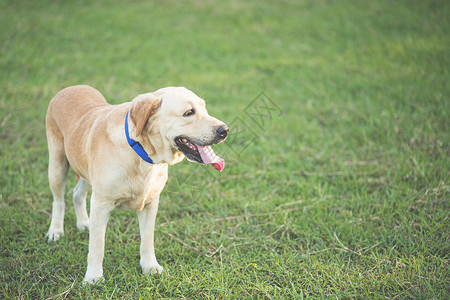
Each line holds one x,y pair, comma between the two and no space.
173,158
135,145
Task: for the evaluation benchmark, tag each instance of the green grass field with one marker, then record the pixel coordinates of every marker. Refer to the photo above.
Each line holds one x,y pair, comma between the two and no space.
337,177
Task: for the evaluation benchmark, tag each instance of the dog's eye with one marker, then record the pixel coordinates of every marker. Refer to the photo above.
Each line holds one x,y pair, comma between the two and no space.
190,112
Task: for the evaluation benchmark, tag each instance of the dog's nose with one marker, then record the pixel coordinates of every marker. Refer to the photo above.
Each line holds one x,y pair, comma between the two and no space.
222,131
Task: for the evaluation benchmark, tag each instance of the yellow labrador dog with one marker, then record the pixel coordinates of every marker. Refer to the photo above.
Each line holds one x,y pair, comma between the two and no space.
123,152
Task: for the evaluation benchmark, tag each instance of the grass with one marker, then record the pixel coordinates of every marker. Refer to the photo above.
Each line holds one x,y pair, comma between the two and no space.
341,193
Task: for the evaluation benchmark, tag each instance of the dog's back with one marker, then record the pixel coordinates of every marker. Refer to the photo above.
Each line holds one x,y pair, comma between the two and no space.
70,105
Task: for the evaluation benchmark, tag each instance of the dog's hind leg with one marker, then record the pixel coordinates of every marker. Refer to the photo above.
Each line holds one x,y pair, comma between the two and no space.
79,203
57,175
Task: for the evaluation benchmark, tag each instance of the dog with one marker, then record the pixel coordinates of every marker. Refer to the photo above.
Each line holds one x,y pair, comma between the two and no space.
123,152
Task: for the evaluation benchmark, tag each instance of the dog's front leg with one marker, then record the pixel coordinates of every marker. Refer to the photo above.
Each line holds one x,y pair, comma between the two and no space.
147,227
97,228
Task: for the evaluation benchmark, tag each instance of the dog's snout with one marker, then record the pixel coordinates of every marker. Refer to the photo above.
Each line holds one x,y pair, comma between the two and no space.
222,131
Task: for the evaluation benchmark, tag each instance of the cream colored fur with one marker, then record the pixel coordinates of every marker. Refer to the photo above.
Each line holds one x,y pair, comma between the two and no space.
87,133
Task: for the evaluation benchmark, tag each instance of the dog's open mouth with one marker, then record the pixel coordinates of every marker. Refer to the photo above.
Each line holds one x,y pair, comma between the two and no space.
200,154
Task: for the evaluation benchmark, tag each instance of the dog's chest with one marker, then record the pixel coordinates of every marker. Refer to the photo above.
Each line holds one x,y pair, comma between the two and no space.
143,189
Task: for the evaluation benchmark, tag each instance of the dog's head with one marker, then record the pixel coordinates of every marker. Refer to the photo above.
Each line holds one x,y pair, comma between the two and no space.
172,123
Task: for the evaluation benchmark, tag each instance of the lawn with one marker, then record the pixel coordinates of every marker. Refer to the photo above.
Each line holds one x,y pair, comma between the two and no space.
336,182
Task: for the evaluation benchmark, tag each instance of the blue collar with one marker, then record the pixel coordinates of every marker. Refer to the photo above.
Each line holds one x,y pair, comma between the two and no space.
135,145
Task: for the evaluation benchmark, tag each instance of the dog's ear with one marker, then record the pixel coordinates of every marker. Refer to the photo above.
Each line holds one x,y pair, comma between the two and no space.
142,108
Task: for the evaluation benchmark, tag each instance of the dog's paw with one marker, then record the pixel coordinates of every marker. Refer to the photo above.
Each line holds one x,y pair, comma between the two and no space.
83,225
93,280
152,269
54,236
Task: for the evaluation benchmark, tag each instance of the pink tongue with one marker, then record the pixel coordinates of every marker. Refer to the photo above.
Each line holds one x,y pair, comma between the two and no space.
209,157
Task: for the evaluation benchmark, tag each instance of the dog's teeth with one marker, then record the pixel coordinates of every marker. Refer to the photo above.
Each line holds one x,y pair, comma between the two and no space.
190,145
